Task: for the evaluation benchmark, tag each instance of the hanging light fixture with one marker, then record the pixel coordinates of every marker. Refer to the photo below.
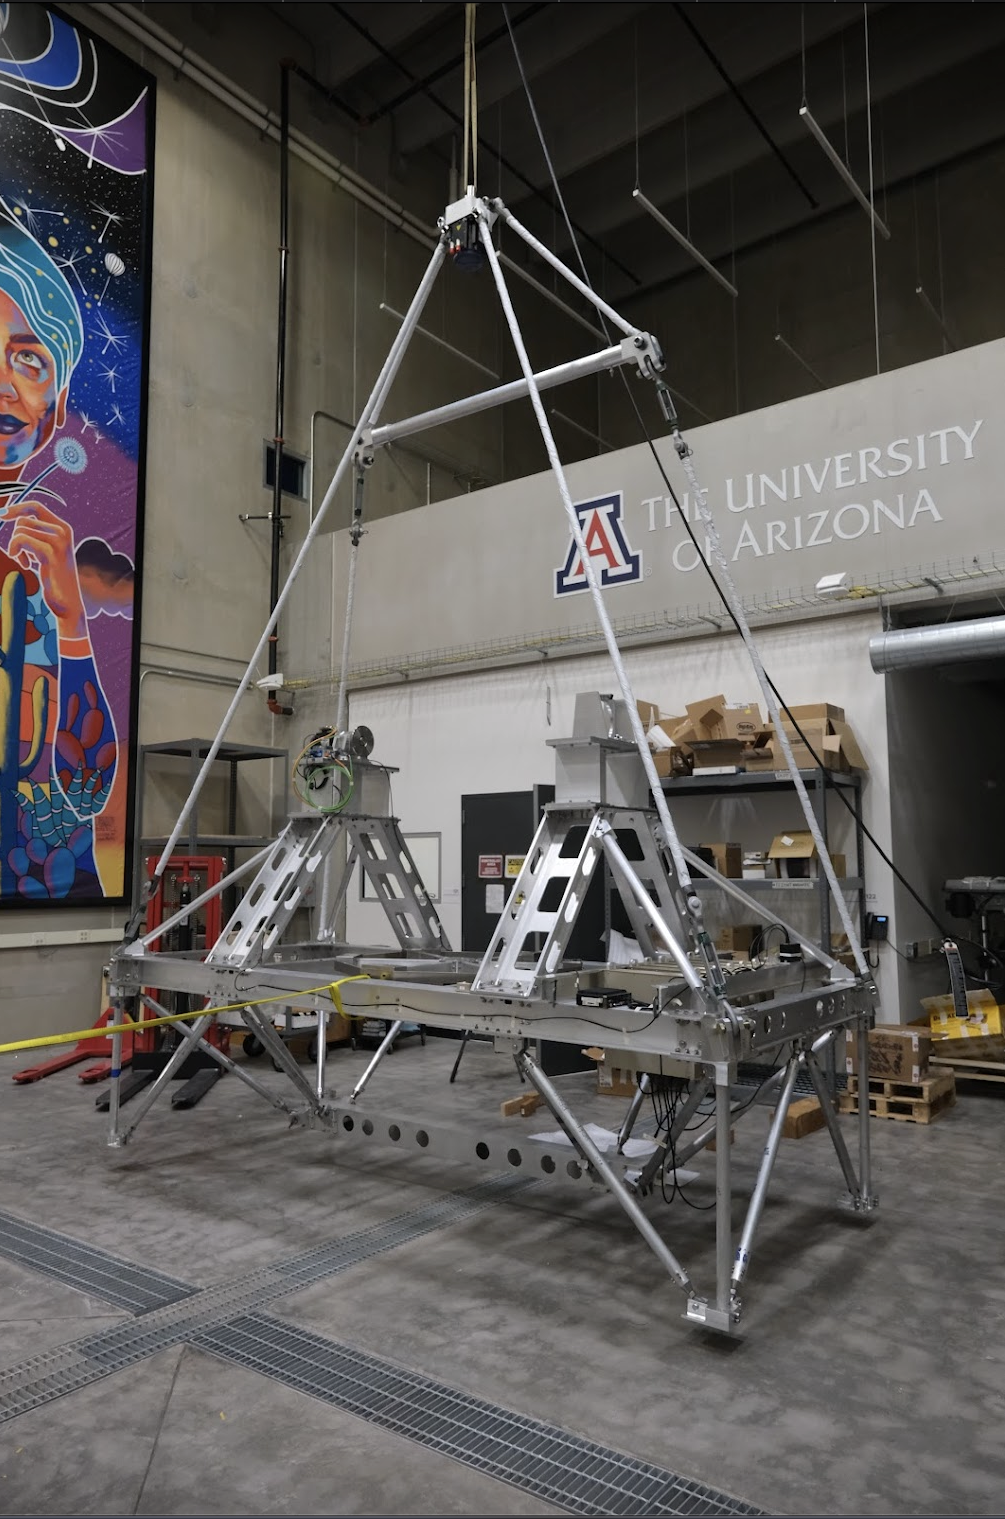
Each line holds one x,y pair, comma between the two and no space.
685,243
817,131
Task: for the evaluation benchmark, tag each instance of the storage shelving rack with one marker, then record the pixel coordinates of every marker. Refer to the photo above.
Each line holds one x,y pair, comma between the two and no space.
228,842
817,782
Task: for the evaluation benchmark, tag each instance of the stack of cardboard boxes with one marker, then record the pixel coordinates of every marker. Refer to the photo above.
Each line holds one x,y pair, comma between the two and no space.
717,737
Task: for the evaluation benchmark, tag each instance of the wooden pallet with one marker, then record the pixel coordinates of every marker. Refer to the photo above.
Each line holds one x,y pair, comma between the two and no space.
971,1070
903,1100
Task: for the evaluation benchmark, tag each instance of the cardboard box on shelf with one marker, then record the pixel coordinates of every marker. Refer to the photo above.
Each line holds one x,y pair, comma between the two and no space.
827,734
897,1052
763,754
736,939
715,718
727,858
796,859
649,713
668,756
716,754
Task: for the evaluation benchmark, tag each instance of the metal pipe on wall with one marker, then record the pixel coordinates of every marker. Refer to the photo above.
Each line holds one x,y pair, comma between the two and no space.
946,643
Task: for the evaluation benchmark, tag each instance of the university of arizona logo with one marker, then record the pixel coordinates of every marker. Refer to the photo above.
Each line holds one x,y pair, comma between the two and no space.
606,544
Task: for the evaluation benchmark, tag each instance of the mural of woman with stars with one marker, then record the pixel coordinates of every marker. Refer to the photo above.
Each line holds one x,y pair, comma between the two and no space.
74,242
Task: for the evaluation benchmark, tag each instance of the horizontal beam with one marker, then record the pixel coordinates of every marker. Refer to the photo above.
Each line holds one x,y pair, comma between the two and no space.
626,352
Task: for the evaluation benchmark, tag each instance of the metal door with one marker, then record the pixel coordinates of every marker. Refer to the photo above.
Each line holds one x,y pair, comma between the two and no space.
496,831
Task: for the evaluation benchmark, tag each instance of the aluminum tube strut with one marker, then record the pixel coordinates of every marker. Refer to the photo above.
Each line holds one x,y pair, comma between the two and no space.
563,269
189,1041
732,599
207,896
514,390
708,1133
634,1108
723,1192
391,365
114,1093
830,1118
593,1157
356,532
645,754
864,1140
693,1101
760,1192
263,1030
381,1051
222,1059
331,900
732,889
322,1054
629,874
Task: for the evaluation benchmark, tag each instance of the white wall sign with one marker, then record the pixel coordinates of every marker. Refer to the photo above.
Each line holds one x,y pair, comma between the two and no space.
884,475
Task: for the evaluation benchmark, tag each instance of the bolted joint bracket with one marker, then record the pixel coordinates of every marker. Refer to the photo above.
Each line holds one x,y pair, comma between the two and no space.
643,350
722,1320
859,1204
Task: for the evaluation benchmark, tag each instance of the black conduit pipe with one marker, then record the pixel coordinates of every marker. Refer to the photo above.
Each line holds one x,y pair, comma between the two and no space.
277,489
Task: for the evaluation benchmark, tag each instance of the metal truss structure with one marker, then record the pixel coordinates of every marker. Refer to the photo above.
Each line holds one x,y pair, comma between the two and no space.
680,1015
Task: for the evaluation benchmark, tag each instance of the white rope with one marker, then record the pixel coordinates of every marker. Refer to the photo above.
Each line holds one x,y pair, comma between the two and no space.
731,595
672,842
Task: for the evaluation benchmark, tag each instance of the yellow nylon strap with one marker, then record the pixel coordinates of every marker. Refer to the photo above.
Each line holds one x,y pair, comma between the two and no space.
202,1012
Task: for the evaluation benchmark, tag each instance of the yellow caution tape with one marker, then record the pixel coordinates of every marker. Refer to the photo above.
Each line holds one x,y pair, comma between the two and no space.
332,988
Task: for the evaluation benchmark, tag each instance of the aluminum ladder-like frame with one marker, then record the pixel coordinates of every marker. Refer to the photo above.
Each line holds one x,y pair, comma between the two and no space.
552,868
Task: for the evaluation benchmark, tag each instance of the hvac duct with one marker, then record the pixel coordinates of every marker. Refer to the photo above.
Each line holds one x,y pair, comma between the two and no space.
948,643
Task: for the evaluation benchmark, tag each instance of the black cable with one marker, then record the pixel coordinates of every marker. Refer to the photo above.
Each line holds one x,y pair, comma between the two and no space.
783,706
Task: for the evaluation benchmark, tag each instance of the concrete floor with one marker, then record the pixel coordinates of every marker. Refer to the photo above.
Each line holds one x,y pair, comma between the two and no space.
870,1379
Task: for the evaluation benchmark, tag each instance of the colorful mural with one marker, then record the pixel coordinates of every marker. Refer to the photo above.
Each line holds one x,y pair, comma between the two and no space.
76,128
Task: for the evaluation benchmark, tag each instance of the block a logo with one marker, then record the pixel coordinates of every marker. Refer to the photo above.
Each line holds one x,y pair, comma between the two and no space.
606,544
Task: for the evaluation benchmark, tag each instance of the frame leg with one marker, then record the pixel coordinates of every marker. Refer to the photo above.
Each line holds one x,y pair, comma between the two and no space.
385,1045
593,1157
264,1031
322,1054
830,1118
634,1108
189,1041
460,1052
693,1102
860,1197
760,1192
114,1091
864,1138
723,1193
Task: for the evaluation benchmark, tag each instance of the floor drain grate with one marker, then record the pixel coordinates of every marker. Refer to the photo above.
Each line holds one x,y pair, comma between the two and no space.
136,1288
560,1468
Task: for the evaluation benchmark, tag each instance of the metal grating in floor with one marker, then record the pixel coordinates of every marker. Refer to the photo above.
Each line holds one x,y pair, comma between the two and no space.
561,1468
170,1312
136,1288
